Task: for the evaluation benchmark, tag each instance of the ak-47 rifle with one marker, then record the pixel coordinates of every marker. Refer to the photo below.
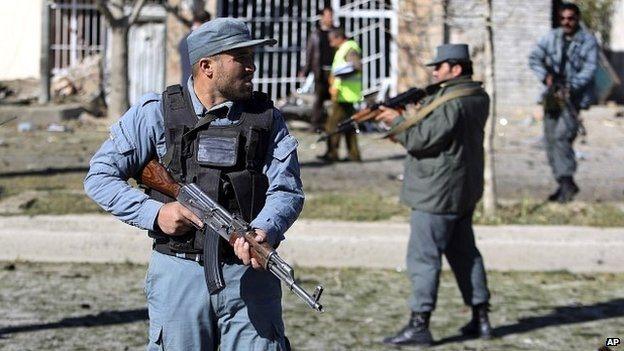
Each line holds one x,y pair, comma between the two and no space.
228,226
411,96
558,97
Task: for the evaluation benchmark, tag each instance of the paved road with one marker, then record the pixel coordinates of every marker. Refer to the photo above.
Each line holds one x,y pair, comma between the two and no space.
312,243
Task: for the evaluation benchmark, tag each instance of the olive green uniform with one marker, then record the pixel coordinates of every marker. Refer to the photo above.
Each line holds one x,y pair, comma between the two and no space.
443,183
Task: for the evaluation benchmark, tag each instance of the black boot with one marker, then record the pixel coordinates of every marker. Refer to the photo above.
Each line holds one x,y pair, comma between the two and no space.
555,196
479,325
416,332
568,189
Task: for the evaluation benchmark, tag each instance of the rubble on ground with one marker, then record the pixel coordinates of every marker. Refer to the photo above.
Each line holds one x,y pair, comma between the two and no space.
81,83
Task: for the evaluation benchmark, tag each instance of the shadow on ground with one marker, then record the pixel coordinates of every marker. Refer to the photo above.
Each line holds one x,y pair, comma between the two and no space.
561,315
90,320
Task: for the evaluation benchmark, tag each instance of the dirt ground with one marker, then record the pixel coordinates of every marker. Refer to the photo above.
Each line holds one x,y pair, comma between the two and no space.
521,169
102,307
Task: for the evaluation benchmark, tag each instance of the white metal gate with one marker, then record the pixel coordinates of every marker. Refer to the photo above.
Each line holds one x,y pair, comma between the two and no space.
78,30
146,59
373,24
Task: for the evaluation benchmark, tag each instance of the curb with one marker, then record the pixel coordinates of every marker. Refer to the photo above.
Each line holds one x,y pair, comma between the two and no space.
312,243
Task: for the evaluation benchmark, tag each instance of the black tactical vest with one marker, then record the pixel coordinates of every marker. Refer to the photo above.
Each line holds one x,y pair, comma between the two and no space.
224,161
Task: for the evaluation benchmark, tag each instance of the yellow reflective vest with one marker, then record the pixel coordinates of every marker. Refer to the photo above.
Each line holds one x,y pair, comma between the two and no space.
350,87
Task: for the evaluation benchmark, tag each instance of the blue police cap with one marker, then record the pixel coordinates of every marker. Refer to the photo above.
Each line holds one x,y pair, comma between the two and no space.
220,35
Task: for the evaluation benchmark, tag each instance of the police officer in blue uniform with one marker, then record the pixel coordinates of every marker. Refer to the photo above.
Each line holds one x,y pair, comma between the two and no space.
565,60
215,132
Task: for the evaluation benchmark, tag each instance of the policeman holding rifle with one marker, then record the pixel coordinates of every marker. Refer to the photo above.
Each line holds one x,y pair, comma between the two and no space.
443,183
231,142
565,60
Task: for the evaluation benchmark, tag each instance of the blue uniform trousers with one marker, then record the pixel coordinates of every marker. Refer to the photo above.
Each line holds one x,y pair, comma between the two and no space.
245,315
450,234
560,130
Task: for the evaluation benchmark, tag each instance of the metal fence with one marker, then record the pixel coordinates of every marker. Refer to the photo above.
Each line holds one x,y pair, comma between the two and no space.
77,30
371,22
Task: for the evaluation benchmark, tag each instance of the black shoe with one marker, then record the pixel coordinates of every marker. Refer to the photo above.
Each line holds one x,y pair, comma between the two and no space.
327,158
568,190
479,325
555,196
416,332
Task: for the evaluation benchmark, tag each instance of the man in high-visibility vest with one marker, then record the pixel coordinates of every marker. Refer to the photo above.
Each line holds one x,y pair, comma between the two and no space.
345,89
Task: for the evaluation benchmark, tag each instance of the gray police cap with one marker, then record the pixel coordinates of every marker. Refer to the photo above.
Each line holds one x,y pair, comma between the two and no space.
219,35
451,52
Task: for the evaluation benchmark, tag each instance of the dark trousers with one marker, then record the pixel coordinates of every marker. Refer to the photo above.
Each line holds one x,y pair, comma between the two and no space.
321,94
340,112
433,235
560,130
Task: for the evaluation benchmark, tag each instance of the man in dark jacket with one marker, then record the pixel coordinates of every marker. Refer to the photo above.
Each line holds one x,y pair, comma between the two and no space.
443,183
318,60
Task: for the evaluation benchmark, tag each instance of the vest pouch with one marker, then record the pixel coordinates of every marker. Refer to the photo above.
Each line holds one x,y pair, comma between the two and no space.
217,149
256,148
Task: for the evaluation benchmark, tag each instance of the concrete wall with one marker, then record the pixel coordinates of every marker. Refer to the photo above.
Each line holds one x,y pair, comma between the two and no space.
517,27
616,51
20,25
421,29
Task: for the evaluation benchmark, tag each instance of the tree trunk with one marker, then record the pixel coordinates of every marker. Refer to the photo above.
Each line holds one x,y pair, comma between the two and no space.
118,98
489,192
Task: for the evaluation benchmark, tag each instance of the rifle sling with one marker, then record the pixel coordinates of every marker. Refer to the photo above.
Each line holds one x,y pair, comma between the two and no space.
427,109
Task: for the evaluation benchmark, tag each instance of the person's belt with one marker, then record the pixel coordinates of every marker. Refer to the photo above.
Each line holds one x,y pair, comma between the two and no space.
226,256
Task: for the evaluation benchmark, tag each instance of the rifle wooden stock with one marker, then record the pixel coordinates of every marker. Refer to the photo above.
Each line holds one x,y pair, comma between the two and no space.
362,115
155,176
368,116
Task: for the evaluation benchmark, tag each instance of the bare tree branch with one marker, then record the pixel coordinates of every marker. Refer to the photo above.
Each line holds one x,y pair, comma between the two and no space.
136,10
175,10
103,8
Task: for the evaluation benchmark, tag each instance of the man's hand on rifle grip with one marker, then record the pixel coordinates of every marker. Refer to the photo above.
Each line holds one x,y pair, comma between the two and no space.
242,249
549,80
175,219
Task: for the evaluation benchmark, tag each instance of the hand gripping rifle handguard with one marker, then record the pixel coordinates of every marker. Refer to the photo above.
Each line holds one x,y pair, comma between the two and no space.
228,226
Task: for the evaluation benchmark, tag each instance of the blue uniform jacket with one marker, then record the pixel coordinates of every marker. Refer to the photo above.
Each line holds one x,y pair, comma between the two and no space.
581,64
139,136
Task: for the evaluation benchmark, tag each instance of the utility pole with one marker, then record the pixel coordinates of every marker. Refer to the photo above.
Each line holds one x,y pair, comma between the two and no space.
44,61
489,176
